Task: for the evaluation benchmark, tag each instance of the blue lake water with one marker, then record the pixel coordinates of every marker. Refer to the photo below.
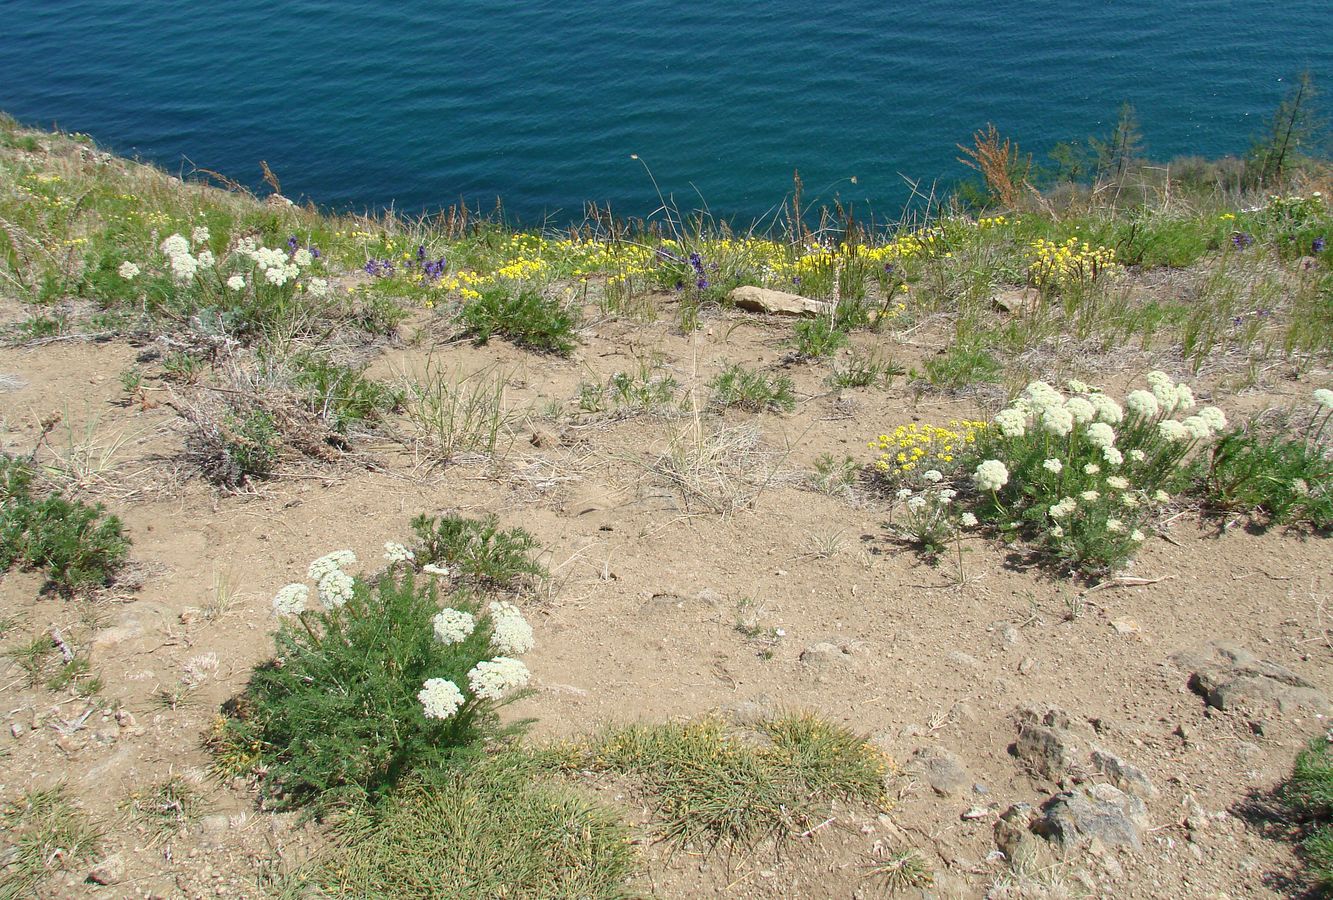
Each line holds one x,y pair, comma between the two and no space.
415,104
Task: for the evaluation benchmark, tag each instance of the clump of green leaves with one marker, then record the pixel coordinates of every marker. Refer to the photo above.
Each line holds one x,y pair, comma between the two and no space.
341,395
752,390
527,318
494,830
1284,477
75,545
336,714
1309,794
713,787
477,550
865,370
817,338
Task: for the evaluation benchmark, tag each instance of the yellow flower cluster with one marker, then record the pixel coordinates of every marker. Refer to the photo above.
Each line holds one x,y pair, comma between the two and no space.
1073,262
911,447
992,222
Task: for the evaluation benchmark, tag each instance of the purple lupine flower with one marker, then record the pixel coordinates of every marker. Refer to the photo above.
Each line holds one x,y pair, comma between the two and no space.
680,285
314,251
697,262
888,268
702,283
292,243
1318,245
1237,321
1241,240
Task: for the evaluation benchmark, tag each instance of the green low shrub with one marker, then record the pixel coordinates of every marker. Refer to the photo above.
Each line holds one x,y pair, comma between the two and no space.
753,391
526,318
376,682
1309,794
75,545
477,550
817,338
1285,477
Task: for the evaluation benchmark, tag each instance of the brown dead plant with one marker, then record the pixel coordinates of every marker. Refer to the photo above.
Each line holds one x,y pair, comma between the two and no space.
1000,162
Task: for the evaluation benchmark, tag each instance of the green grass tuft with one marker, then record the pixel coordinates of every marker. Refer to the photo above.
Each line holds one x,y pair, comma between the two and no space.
40,834
719,789
496,830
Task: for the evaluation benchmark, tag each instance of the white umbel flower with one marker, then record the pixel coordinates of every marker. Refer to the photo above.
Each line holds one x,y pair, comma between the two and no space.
205,259
1197,427
1082,410
291,600
1091,469
440,698
318,287
1012,423
176,245
236,282
1118,482
991,475
1057,420
1172,430
183,267
493,678
967,520
934,476
1143,404
200,235
1064,508
1053,465
452,626
330,562
128,270
1216,419
1100,434
511,633
1090,496
1324,397
1112,456
396,553
335,589
302,258
1108,410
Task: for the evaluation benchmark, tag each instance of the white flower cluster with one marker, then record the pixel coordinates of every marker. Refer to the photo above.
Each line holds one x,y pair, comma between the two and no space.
236,282
511,633
452,626
276,267
335,589
334,585
184,266
432,569
128,270
440,698
1043,407
291,600
396,553
991,475
492,679
1324,397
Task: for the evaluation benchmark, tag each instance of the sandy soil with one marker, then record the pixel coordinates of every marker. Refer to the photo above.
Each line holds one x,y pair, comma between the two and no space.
641,621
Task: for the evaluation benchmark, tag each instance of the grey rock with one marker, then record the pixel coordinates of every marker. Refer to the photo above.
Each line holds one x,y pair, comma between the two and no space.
1126,777
825,656
1229,677
1016,300
11,382
965,660
1014,838
109,871
216,823
111,638
777,303
1045,751
1099,812
942,770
